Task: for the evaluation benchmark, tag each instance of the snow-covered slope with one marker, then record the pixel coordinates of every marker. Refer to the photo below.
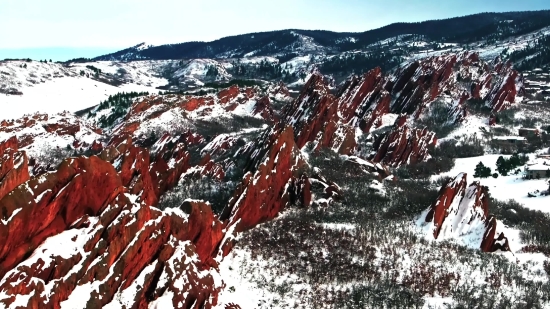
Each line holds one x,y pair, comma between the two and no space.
54,87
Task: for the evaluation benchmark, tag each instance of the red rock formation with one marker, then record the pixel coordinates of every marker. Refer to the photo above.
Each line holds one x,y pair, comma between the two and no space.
262,194
59,129
313,112
357,93
96,147
211,169
14,168
279,90
314,118
34,135
463,211
363,101
404,145
150,178
264,109
206,168
503,96
229,94
115,248
220,144
79,187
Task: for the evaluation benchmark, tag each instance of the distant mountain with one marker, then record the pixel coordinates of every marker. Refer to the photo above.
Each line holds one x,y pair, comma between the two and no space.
489,27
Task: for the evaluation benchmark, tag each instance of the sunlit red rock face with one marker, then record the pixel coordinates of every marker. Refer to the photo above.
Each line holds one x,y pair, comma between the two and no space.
43,136
96,244
462,212
365,102
263,192
410,89
91,228
87,236
314,118
152,113
13,166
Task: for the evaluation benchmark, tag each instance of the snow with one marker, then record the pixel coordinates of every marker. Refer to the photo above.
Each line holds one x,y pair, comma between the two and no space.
126,298
297,63
164,123
504,187
239,289
21,301
163,302
54,87
15,212
437,302
464,223
471,126
71,94
507,138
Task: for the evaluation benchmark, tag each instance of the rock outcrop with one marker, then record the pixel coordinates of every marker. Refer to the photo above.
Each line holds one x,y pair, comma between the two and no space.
363,104
314,118
404,145
44,137
14,168
263,193
264,109
177,113
99,247
462,212
88,234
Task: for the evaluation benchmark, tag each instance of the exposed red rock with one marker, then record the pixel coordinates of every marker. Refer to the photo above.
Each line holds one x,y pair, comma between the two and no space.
118,246
181,108
503,96
206,168
261,195
460,210
314,118
220,144
362,102
404,145
356,93
14,168
264,109
279,90
52,203
39,136
228,94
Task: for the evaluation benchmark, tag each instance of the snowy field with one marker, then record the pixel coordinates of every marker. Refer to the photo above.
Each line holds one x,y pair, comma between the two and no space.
53,88
64,94
504,187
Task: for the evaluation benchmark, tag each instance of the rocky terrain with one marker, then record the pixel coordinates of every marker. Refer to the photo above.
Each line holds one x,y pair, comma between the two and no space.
327,191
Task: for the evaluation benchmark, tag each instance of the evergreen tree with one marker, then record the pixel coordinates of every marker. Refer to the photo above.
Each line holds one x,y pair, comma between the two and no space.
503,166
515,160
478,172
481,171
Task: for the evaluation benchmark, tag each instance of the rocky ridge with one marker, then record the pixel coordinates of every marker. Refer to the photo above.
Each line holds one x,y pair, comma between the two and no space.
121,250
461,212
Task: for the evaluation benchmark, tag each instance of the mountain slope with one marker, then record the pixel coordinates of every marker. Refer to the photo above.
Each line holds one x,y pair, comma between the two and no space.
466,29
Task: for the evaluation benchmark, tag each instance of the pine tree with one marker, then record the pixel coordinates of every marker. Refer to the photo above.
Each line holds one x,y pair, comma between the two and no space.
481,171
478,172
514,160
502,166
486,172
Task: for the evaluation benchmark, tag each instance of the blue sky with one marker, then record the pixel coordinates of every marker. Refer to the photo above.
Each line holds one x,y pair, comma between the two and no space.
63,29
